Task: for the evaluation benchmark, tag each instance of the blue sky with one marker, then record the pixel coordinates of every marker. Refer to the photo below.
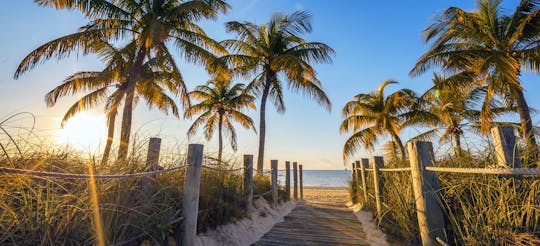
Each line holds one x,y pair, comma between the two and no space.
374,41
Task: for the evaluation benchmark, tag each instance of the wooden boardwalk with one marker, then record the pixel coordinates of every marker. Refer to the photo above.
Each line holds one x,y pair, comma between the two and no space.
317,223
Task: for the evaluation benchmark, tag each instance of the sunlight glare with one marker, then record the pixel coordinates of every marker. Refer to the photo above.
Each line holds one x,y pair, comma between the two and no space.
84,131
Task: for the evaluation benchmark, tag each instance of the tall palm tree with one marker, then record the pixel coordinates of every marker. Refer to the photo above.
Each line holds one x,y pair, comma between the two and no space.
450,111
493,48
374,115
151,24
220,104
156,77
268,51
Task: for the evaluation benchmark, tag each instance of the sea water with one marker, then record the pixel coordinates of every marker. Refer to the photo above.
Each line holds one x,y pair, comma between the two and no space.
321,178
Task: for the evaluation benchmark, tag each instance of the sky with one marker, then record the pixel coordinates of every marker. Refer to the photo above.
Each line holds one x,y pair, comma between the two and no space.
373,40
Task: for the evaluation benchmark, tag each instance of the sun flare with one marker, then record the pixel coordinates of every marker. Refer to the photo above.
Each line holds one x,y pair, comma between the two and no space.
85,131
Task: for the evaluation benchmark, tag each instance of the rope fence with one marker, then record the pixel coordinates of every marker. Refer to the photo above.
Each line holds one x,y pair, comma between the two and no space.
501,171
84,176
221,170
426,184
190,210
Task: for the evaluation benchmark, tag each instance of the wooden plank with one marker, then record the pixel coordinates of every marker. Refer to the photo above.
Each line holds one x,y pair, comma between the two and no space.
317,223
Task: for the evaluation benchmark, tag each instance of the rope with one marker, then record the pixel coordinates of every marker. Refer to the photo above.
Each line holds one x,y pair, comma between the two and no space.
403,169
506,171
222,170
83,176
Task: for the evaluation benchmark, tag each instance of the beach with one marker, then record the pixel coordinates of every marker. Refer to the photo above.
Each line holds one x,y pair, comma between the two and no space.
326,194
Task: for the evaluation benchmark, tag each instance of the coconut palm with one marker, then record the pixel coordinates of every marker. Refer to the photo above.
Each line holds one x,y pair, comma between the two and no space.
272,52
493,48
151,24
373,116
109,85
220,104
450,112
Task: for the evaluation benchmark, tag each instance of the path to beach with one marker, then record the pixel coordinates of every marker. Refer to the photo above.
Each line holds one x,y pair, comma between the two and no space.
322,219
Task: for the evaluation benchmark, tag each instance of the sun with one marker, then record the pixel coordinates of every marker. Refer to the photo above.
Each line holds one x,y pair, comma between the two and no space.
84,131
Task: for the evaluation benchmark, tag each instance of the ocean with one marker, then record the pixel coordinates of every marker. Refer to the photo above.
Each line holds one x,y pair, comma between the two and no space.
322,178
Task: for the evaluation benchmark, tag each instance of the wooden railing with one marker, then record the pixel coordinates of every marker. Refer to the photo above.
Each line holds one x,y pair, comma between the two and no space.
426,184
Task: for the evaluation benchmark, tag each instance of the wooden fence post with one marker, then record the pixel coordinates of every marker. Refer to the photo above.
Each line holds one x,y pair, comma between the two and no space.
426,186
354,177
192,184
363,166
288,180
248,181
152,157
152,160
378,162
504,142
274,166
295,179
301,182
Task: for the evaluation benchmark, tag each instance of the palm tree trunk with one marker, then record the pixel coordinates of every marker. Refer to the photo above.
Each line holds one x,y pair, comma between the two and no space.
457,148
400,145
220,137
526,122
262,123
128,105
110,136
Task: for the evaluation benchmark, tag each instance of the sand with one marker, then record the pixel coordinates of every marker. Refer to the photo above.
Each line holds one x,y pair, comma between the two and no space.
321,194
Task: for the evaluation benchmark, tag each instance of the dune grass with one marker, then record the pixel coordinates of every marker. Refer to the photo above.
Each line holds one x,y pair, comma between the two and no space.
479,209
52,211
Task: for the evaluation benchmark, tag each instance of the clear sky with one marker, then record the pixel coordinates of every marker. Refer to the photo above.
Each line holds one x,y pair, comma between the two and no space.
374,41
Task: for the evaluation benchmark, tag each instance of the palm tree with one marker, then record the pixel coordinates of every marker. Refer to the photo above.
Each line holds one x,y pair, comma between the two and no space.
269,50
156,77
450,111
374,115
492,48
221,104
151,24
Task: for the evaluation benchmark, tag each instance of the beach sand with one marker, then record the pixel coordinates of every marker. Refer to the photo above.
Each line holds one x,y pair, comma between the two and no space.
326,194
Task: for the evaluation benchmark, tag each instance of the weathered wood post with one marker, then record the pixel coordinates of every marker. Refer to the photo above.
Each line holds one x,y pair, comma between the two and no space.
295,177
504,142
426,187
288,180
363,166
274,183
152,157
152,160
192,184
378,162
354,181
301,182
248,181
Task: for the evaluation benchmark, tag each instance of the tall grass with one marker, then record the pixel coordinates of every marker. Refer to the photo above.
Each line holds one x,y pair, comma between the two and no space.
479,209
52,211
